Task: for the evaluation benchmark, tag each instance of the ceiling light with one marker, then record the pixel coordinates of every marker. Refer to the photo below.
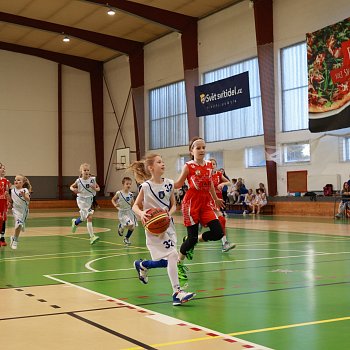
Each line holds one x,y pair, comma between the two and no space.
111,11
66,39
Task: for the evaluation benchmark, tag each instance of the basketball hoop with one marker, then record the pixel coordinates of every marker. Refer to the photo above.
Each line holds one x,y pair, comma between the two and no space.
122,158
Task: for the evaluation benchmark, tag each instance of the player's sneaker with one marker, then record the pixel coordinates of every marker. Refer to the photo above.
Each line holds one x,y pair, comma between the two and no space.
228,246
13,243
189,254
3,242
126,241
120,230
141,271
74,226
94,239
181,297
181,271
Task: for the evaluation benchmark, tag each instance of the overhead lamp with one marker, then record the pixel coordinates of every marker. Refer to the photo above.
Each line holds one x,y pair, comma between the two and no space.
111,11
66,39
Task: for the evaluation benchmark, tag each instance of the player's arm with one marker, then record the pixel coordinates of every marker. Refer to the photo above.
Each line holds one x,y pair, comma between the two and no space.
219,202
172,203
97,187
114,200
74,187
138,207
224,182
26,195
181,180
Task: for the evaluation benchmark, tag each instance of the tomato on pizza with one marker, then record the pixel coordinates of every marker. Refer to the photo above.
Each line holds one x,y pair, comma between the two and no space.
328,54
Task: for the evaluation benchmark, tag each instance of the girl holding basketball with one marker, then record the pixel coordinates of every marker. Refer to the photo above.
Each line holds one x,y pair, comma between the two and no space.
219,181
20,198
85,187
158,192
199,204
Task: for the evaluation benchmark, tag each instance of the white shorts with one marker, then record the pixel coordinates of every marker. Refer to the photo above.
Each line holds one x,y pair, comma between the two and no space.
84,204
20,217
127,218
160,246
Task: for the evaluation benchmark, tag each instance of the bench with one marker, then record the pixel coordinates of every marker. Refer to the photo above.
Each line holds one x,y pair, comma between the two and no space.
268,209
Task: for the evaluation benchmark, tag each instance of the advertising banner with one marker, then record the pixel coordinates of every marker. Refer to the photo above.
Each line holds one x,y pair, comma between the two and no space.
223,95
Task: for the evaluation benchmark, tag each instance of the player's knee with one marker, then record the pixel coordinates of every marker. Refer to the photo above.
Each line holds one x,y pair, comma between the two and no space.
216,232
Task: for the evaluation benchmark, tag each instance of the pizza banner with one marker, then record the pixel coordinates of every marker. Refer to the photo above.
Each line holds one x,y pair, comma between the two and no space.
328,58
223,95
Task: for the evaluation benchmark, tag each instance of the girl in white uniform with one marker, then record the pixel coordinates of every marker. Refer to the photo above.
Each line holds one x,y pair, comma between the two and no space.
20,198
158,192
123,200
85,187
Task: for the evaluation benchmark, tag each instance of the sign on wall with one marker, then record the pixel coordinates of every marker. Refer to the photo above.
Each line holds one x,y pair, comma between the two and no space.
328,55
223,95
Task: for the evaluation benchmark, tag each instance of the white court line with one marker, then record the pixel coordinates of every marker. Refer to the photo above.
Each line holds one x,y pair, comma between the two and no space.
160,316
209,262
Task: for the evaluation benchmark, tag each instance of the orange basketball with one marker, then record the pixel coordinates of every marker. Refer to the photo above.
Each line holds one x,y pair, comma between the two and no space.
158,222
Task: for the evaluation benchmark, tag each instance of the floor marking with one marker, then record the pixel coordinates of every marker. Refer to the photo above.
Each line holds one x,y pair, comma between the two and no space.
138,308
87,265
311,323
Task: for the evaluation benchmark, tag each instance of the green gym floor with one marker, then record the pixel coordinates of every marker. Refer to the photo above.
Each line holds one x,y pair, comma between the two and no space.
286,286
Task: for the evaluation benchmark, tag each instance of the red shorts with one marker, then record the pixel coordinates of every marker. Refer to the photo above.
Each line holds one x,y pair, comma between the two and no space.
3,209
198,207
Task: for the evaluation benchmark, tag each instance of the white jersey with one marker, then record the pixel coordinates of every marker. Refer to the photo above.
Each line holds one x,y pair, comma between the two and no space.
20,207
84,187
158,196
125,214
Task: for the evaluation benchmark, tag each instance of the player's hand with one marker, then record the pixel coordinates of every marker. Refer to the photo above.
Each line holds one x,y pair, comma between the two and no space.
220,203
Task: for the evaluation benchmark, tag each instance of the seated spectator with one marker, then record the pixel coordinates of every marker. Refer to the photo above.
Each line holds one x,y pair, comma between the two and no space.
259,201
262,186
233,192
241,189
345,198
248,201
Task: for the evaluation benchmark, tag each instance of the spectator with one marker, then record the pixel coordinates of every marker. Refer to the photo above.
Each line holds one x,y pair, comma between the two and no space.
242,190
260,201
248,201
233,192
345,198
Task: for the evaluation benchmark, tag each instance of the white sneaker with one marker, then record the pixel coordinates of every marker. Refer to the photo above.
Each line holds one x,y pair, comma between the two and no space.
181,297
13,243
74,226
141,271
94,239
126,241
228,246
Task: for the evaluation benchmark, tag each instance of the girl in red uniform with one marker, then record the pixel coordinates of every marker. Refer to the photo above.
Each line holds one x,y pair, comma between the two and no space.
4,202
199,203
219,181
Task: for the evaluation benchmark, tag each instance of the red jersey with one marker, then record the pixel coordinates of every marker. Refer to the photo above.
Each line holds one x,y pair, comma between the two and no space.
199,176
217,178
4,187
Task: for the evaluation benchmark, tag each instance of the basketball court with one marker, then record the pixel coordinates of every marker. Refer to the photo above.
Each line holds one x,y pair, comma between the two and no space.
283,287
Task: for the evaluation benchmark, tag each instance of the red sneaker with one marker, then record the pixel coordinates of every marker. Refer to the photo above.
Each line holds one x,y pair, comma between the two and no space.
3,243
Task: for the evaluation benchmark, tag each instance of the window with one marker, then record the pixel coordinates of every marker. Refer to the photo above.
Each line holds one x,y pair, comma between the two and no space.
294,88
183,158
296,152
168,125
346,149
238,123
255,157
218,156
